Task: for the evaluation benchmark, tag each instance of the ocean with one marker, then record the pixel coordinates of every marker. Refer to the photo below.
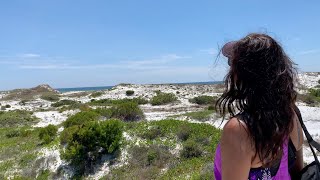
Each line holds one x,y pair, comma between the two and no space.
98,88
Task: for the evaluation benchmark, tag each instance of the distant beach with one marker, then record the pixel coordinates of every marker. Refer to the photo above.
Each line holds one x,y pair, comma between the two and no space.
99,88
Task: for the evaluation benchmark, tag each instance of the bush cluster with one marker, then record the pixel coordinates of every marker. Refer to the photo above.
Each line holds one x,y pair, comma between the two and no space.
315,92
184,133
18,133
81,118
90,141
152,133
108,102
17,118
128,111
64,102
200,115
104,112
154,155
96,94
163,98
191,149
50,97
47,134
203,100
129,92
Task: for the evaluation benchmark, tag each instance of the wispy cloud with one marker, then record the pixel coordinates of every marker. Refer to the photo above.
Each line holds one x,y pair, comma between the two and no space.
161,62
310,51
165,59
211,51
29,55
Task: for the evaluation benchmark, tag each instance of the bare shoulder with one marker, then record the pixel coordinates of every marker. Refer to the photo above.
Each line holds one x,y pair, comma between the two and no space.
236,135
235,127
236,153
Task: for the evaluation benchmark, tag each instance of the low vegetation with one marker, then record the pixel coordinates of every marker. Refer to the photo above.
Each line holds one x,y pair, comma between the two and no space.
18,152
64,102
96,94
50,97
17,118
48,134
90,141
203,115
129,92
200,115
312,98
203,100
127,111
163,98
152,155
81,118
109,102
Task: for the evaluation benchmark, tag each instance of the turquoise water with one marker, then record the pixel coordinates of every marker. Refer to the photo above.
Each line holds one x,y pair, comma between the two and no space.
98,88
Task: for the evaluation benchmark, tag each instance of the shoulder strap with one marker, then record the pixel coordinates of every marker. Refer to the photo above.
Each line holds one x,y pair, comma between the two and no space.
311,142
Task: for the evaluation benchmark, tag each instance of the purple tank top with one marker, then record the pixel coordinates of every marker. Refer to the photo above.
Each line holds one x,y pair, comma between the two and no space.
263,173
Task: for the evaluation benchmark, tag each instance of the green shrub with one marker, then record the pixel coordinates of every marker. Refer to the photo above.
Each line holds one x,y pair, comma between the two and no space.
47,134
154,155
13,133
81,118
108,102
128,111
163,98
105,112
184,132
23,102
81,107
315,92
96,94
199,115
152,133
67,134
211,108
203,100
17,118
140,100
307,98
8,106
64,102
319,81
129,92
191,149
50,97
91,141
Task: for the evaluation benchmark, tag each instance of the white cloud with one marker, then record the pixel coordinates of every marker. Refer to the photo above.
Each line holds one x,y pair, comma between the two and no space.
211,51
310,51
156,61
29,55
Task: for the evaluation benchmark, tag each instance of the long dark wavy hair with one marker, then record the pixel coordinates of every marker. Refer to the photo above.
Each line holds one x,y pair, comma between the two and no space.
260,83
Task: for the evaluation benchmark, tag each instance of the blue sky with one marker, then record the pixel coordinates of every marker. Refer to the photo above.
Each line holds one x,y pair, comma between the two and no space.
95,43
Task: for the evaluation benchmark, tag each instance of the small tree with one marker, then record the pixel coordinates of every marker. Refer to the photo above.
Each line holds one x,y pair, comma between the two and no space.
47,134
129,92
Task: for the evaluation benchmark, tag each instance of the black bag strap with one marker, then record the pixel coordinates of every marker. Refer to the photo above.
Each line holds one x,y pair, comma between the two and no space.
311,142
